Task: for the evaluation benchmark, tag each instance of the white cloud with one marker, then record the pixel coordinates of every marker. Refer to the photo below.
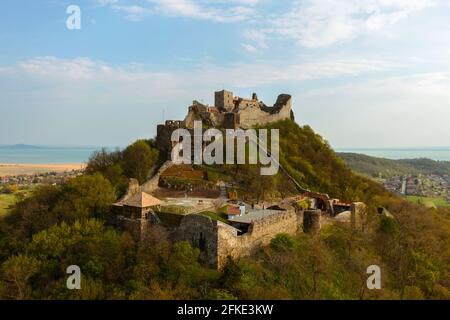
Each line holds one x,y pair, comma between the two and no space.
217,11
320,23
396,111
258,37
50,67
83,81
107,2
395,108
133,12
259,73
310,23
249,48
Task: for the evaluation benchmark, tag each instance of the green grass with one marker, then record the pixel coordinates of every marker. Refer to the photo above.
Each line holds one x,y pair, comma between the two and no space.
6,200
214,216
428,202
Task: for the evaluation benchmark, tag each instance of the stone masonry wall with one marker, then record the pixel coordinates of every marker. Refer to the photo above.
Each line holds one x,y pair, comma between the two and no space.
251,117
218,240
260,233
358,215
201,232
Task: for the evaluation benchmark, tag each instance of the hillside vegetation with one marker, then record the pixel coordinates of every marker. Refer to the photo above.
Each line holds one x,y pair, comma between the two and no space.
373,166
58,226
307,158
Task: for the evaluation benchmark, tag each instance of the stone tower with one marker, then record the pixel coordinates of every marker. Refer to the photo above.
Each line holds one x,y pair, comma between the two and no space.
311,221
224,100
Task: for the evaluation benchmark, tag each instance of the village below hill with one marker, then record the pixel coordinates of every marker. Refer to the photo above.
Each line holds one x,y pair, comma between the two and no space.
422,181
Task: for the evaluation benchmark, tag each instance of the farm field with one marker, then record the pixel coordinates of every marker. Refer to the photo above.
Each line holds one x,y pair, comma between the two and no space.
428,201
6,200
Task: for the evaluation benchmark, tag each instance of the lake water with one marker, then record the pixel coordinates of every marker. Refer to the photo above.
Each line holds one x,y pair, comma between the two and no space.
440,154
37,155
45,154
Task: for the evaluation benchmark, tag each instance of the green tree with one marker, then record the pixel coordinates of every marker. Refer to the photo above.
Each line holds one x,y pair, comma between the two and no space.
103,254
138,159
109,165
101,160
34,213
16,273
86,196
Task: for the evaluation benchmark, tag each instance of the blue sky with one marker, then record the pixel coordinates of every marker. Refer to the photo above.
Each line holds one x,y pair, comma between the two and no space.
362,73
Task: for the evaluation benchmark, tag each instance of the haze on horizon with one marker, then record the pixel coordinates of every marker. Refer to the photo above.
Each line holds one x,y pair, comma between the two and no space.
362,73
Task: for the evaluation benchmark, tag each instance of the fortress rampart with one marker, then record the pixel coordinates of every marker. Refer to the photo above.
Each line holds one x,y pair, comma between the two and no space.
218,241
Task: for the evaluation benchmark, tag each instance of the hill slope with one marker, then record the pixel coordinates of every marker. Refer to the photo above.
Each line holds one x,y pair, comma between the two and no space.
373,166
308,158
60,224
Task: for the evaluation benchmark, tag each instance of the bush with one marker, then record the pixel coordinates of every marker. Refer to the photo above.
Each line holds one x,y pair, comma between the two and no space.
282,242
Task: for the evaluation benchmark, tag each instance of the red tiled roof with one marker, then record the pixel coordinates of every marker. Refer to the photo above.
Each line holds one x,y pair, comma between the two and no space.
232,210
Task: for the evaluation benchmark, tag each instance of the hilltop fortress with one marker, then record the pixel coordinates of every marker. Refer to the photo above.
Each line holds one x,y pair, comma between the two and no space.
208,213
228,112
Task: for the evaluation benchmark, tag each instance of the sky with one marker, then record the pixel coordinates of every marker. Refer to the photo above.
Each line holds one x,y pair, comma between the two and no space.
362,73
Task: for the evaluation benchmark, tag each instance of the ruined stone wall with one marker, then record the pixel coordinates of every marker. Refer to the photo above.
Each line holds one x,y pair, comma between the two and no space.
152,184
133,188
201,232
358,215
254,116
231,121
245,103
248,113
210,116
312,221
260,233
135,227
218,240
164,134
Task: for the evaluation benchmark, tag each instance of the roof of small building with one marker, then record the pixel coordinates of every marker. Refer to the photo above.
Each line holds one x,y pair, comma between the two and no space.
141,200
233,210
254,215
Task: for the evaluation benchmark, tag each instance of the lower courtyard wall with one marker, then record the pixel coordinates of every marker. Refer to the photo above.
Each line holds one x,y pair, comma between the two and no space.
259,234
217,241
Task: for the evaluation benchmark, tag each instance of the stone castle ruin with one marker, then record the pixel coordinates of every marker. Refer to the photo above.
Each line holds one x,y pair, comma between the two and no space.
228,112
243,228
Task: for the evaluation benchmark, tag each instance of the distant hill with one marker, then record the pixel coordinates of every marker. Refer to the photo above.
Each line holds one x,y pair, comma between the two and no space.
20,146
373,166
